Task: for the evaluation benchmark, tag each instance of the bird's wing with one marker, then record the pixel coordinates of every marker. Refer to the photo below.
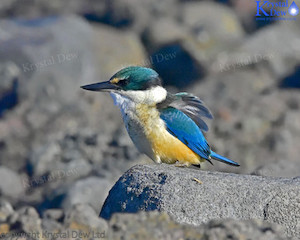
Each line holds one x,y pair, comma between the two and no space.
190,105
186,130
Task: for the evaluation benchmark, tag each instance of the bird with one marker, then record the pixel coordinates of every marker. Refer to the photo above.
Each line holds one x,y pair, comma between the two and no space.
167,127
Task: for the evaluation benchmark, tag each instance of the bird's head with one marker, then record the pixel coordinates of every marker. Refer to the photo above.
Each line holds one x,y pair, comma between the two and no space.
138,83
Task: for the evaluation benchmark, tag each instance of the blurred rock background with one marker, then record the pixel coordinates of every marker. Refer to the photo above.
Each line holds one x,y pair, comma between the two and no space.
60,145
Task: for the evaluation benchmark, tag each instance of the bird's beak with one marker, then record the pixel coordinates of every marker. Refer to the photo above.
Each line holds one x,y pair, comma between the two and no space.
102,86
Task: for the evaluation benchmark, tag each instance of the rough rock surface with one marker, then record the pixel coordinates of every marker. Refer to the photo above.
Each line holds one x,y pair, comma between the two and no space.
82,219
178,192
154,225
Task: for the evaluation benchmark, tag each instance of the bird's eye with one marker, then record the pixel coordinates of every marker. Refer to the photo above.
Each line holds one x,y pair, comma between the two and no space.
122,82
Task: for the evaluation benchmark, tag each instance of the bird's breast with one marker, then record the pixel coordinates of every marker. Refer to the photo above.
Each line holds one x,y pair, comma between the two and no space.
148,132
166,148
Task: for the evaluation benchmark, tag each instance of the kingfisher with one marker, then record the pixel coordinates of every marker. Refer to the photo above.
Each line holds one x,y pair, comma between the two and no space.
167,127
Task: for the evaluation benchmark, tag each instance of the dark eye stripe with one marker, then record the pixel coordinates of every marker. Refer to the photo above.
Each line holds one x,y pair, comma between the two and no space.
122,82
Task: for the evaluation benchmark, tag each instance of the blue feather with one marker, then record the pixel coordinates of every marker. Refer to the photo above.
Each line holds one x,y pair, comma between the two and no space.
186,130
223,159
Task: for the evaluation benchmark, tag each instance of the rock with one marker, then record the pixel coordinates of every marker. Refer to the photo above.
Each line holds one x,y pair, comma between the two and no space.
150,225
137,14
282,168
238,229
115,50
173,30
92,191
276,54
55,214
10,184
212,34
11,8
29,220
191,43
8,86
83,217
48,52
154,225
6,210
59,160
291,81
223,26
52,220
216,196
169,56
245,11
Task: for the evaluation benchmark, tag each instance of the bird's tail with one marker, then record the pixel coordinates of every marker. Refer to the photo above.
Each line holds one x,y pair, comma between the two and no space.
223,159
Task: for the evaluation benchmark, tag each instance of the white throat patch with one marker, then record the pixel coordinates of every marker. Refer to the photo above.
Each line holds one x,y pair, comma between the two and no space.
152,96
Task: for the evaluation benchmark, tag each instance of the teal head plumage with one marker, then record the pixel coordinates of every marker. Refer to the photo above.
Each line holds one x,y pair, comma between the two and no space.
128,79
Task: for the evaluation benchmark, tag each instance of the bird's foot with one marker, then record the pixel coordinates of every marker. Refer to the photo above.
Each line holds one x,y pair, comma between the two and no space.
180,164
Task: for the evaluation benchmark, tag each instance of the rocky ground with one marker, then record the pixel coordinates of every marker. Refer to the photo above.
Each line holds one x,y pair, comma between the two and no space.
62,149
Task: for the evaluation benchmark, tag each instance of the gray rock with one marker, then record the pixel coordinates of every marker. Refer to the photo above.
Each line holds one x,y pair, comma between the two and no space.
137,14
55,214
217,195
6,210
282,168
48,52
192,41
92,191
13,8
11,185
59,160
115,50
212,33
281,59
154,225
52,220
29,220
83,217
8,86
174,31
223,25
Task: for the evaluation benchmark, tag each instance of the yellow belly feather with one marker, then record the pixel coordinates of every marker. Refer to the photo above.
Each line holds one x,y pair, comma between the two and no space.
166,147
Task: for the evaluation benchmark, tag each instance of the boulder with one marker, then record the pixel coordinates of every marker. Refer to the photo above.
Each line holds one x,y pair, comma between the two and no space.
11,185
191,196
92,191
281,58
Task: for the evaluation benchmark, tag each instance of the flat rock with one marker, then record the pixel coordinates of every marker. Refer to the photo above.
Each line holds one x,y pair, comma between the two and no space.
215,196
